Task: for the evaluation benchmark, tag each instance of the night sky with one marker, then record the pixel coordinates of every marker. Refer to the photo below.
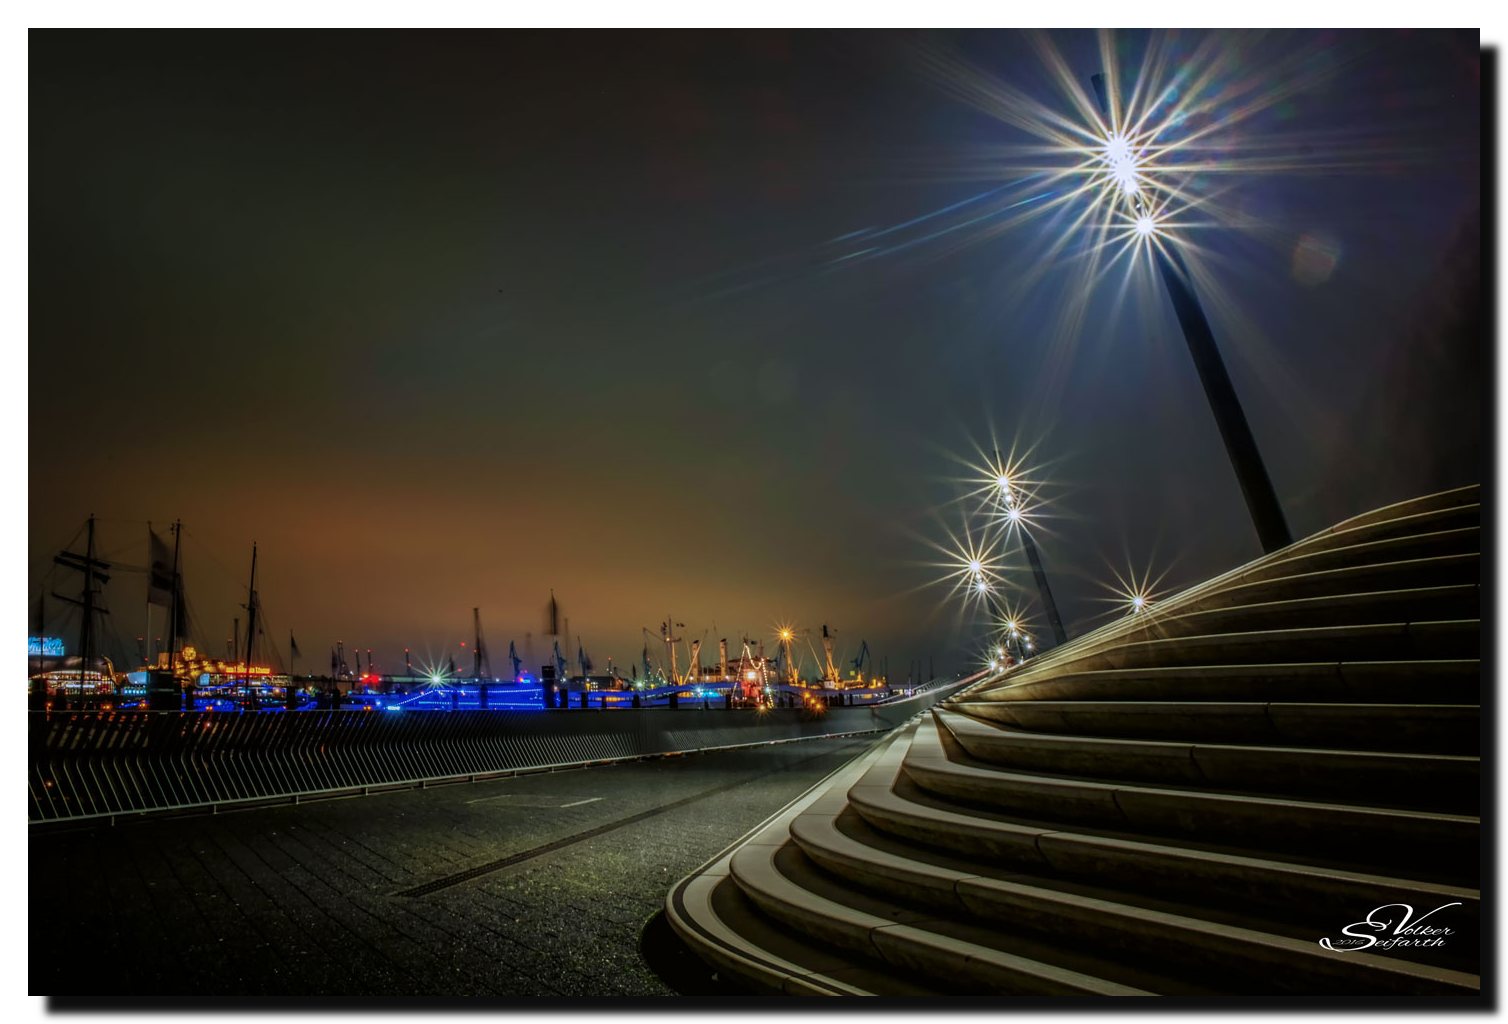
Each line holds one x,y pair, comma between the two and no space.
445,320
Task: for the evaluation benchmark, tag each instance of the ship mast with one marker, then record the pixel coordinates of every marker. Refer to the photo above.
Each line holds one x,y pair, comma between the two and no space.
670,642
478,653
831,671
175,612
93,569
251,621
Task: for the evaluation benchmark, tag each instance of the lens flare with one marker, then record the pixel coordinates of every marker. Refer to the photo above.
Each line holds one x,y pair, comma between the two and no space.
972,567
1122,164
1133,592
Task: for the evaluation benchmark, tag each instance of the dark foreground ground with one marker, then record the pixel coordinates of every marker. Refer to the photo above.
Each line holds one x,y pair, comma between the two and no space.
533,886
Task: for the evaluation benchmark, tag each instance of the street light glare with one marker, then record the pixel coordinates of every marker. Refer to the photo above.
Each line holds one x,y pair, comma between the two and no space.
1122,163
1146,226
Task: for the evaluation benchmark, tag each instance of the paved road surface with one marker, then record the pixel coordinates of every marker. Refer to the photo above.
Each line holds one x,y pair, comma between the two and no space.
537,885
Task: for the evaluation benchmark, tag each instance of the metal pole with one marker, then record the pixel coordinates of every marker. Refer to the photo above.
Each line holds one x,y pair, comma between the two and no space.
1048,604
251,626
175,612
1060,636
1240,445
1246,460
87,634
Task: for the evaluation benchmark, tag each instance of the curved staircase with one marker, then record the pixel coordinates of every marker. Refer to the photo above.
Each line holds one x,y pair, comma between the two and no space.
1183,802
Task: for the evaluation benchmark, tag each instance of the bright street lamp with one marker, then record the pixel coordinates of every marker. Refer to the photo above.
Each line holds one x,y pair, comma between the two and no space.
1126,170
1014,516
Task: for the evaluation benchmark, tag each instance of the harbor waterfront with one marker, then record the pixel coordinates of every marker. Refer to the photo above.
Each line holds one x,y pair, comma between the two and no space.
954,518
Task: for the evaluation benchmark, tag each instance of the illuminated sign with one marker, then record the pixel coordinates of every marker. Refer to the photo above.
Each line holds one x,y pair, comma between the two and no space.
44,647
242,670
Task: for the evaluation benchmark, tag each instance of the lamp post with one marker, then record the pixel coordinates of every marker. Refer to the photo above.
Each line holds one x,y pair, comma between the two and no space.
1013,516
1240,445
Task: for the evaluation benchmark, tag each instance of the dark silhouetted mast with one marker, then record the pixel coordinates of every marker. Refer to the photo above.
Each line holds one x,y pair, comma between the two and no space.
93,570
251,618
176,612
478,653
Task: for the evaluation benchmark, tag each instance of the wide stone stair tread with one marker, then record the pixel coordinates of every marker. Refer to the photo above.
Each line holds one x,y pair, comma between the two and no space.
1356,547
1417,728
1453,681
1284,562
749,949
1185,868
1342,583
1286,610
1361,557
1392,641
1466,496
1382,778
1430,521
1389,835
1131,927
976,959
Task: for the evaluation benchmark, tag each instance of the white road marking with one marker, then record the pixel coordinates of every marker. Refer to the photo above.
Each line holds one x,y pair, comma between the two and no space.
578,803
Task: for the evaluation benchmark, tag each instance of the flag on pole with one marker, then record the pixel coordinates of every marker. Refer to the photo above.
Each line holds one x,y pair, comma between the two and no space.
292,645
159,571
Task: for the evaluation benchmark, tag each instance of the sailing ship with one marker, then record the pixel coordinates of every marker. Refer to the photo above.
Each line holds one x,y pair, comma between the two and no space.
176,676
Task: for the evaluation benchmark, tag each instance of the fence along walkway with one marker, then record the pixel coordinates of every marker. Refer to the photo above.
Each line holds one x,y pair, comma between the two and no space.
101,764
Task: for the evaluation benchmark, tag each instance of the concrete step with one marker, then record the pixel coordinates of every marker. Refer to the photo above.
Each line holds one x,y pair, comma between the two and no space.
1413,728
1313,892
1460,541
1350,546
1448,681
1457,497
1348,534
713,915
1444,845
1377,641
1423,574
975,960
1432,781
1428,603
1440,532
1235,952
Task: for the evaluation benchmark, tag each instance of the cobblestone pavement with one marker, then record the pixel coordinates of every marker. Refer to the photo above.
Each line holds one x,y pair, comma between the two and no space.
532,886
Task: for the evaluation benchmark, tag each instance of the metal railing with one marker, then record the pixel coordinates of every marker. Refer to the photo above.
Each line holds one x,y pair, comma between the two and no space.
99,765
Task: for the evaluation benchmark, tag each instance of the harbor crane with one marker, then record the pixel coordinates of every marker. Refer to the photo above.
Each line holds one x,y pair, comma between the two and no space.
787,636
830,671
858,662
